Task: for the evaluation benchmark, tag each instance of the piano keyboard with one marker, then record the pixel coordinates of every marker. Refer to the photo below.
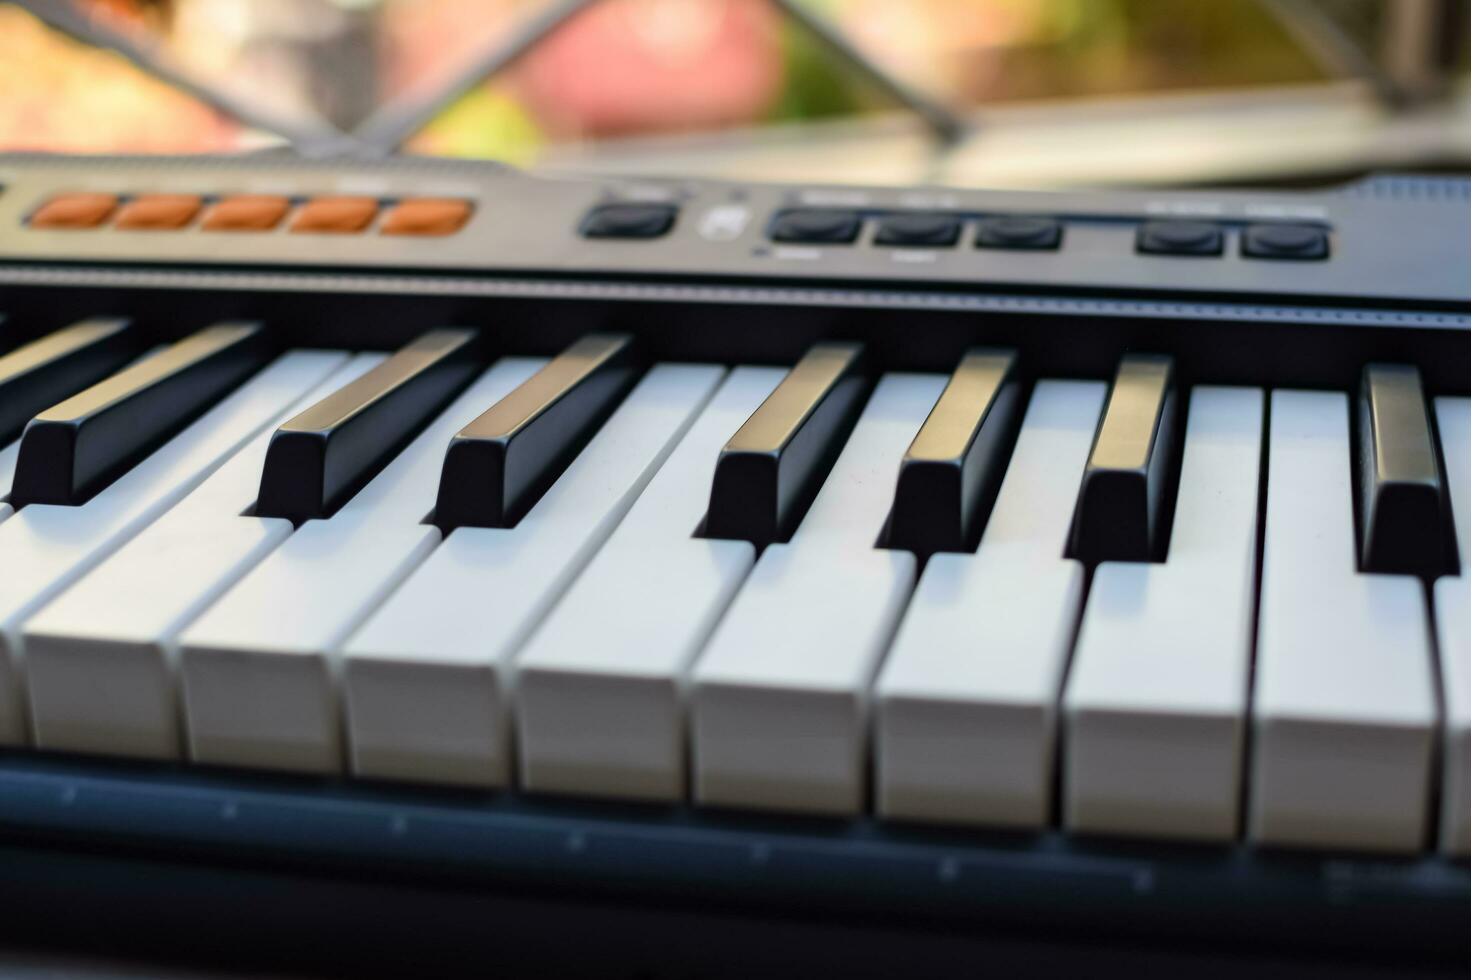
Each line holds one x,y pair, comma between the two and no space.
581,550
587,575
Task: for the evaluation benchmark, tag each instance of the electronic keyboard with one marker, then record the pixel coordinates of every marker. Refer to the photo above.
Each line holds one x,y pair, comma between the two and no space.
646,560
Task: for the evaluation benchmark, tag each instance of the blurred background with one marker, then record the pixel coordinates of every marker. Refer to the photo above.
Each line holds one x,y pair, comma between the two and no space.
959,92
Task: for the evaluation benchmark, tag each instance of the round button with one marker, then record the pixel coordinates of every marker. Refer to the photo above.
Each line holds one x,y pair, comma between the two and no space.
1018,231
74,211
1195,238
247,212
817,226
629,221
1286,238
159,212
335,215
1183,234
427,216
918,229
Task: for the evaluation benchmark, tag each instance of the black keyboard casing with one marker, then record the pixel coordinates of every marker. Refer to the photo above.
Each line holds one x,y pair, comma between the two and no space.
212,854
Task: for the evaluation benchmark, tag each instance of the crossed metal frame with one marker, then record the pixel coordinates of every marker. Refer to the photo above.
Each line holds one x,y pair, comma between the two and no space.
1421,42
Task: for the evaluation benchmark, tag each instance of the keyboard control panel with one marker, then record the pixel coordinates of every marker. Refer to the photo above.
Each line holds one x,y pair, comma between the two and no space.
483,221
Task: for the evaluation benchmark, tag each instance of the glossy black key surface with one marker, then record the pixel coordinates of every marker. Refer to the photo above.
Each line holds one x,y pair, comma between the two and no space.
37,375
956,458
499,465
75,448
1120,502
770,470
317,460
1402,504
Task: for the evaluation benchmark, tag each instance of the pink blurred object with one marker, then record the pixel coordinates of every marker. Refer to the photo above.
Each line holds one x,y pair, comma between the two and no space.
626,66
424,42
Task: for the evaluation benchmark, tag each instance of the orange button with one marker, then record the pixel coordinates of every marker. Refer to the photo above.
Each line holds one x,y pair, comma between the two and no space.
427,216
74,211
247,212
335,215
158,212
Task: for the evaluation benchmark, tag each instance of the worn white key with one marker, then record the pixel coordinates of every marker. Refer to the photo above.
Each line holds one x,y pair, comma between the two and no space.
779,698
1344,711
429,675
1156,697
55,545
260,666
1453,626
103,658
967,702
600,690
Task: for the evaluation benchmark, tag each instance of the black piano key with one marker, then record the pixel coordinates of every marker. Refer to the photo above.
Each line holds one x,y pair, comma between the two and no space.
75,448
770,470
1402,504
499,465
956,458
39,374
1120,502
320,458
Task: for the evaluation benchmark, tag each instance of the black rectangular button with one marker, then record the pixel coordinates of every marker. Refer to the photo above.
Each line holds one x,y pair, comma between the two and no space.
499,465
41,373
629,221
1121,500
1180,237
1402,506
956,458
1019,231
74,449
919,230
319,459
816,226
1285,241
770,470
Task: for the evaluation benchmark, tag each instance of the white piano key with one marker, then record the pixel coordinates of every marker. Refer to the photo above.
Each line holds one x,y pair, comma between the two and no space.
1156,697
1453,625
967,702
7,466
7,473
778,699
259,668
428,677
600,689
1344,710
57,544
102,658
